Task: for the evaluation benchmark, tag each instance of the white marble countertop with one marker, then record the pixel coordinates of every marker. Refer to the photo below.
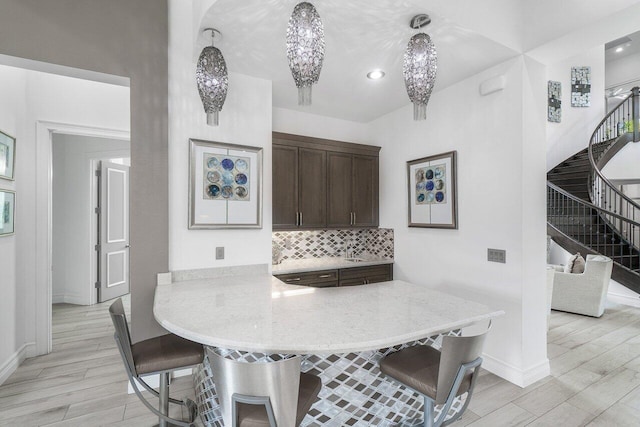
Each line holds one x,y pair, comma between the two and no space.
289,266
259,313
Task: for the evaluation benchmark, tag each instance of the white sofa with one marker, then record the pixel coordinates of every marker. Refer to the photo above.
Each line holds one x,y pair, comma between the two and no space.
584,293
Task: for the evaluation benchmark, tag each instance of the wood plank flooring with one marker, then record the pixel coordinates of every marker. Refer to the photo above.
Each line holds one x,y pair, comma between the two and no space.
595,381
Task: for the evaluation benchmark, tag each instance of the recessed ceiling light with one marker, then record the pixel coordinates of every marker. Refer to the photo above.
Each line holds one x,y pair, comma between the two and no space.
375,74
619,49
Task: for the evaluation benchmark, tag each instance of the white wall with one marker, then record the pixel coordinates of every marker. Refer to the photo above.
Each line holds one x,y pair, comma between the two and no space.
298,123
12,111
572,134
74,232
245,119
500,185
32,97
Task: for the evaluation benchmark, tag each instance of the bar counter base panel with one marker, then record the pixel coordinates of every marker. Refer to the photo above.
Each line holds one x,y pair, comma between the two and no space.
354,391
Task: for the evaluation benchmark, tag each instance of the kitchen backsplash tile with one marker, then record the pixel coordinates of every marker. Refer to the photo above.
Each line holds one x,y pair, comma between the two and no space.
332,243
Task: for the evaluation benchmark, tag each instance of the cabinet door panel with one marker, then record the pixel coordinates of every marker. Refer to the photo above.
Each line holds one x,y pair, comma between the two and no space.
312,191
285,187
339,196
364,272
365,191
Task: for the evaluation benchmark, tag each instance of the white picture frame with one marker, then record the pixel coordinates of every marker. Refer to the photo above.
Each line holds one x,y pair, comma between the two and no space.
7,156
432,191
7,212
225,185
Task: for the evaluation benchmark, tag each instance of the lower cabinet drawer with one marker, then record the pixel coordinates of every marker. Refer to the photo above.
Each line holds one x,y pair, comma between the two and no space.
343,277
325,278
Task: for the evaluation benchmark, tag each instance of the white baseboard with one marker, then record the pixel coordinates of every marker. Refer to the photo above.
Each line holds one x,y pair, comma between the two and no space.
68,299
154,380
516,375
10,366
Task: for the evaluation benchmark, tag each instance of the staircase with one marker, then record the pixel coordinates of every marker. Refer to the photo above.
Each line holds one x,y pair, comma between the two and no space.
585,213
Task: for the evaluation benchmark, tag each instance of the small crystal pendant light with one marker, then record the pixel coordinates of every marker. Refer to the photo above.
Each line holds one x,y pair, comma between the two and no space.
212,79
419,68
305,49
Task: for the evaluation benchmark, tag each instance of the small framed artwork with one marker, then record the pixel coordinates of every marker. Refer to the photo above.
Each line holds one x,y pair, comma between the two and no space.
432,191
554,101
7,155
580,86
225,185
7,212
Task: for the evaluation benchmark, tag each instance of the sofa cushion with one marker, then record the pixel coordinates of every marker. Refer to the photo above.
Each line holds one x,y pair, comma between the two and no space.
575,264
578,265
569,266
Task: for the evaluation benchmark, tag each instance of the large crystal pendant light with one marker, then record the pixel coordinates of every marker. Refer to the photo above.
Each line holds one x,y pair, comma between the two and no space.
419,69
212,79
305,49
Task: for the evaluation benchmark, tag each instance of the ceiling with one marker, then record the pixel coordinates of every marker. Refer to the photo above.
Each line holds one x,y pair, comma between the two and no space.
362,35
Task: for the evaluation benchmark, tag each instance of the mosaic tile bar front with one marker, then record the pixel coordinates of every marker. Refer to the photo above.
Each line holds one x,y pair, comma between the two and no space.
333,243
354,391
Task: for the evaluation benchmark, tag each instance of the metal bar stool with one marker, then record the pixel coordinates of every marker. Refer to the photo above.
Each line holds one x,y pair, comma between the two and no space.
439,376
273,394
160,355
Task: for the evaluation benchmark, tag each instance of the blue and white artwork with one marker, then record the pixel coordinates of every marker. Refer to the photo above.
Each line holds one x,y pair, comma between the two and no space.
430,185
226,177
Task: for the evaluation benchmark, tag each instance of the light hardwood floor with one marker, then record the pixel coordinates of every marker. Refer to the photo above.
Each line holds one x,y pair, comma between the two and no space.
595,381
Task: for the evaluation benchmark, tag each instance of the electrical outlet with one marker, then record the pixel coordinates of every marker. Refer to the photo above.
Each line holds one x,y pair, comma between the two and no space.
497,255
220,252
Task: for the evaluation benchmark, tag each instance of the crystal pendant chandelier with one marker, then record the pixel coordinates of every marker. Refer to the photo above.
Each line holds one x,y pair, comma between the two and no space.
212,79
305,49
419,69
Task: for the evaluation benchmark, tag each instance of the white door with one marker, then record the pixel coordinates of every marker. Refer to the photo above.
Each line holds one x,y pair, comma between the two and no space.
113,231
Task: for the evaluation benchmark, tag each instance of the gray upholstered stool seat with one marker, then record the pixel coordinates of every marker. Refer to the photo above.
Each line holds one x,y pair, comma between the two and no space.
159,355
418,368
256,415
165,353
440,376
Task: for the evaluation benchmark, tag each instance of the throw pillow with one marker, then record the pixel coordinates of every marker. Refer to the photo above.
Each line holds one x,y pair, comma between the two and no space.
569,267
578,265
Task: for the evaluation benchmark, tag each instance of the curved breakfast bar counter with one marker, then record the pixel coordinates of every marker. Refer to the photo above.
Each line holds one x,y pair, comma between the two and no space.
343,331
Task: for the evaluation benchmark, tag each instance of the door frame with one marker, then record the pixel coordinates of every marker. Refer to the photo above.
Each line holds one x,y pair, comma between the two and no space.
44,217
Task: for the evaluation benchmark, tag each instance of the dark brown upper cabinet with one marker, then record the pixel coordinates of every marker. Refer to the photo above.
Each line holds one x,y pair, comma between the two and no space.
352,199
320,183
299,191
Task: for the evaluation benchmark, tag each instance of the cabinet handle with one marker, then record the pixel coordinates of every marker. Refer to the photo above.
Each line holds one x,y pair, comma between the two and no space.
324,276
354,218
295,279
350,218
300,218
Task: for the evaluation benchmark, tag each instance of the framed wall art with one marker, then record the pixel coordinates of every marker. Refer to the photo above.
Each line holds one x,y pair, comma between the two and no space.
554,101
7,212
225,185
432,191
7,155
580,86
